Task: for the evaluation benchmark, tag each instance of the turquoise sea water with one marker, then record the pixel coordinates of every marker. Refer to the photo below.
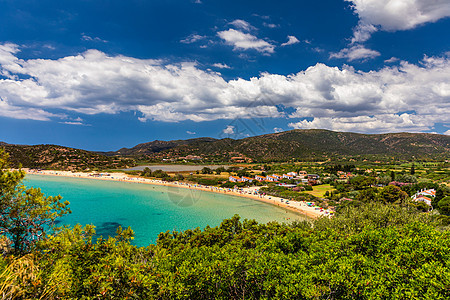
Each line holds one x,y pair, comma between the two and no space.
149,209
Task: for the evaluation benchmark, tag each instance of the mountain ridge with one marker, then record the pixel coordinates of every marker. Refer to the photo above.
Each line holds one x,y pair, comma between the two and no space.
299,143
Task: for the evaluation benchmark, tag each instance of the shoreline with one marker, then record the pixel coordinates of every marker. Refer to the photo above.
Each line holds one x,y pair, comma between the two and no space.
249,193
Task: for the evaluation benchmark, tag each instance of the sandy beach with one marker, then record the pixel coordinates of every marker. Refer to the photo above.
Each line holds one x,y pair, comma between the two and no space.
251,192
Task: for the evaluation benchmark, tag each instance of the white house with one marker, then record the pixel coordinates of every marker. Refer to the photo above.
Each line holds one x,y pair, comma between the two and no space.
292,173
271,178
287,176
243,178
277,176
424,199
425,196
234,179
260,178
430,193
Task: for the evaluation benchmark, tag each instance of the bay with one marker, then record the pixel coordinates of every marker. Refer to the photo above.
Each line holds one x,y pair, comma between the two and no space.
150,209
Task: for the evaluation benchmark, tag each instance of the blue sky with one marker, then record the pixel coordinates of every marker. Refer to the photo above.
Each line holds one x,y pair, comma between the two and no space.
101,75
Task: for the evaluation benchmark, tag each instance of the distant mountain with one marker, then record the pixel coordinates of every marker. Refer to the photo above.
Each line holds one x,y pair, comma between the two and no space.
158,146
62,158
306,145
300,144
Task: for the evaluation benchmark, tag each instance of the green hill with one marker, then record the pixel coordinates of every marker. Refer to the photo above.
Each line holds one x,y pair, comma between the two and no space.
158,146
62,158
303,145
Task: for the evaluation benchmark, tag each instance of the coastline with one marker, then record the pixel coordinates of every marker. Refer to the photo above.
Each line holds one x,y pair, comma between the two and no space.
250,193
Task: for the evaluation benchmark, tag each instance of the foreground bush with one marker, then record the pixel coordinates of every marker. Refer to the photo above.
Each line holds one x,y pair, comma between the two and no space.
392,255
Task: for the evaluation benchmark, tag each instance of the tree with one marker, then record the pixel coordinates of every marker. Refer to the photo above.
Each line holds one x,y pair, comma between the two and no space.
392,175
179,176
220,170
206,170
367,195
147,172
413,170
444,205
242,172
392,194
362,182
25,213
159,174
384,180
407,178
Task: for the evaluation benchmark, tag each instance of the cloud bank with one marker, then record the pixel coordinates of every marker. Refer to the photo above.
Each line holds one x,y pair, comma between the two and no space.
389,15
404,97
393,15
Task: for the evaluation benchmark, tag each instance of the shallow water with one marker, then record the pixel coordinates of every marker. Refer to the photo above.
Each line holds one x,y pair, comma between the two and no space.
150,209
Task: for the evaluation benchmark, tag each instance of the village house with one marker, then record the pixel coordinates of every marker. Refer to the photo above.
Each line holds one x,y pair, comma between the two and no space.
277,176
430,193
271,178
301,174
191,157
424,199
260,178
425,195
343,175
313,178
245,179
234,179
238,159
292,174
287,176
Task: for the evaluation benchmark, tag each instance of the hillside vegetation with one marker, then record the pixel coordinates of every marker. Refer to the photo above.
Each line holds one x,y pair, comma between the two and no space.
373,252
303,145
62,158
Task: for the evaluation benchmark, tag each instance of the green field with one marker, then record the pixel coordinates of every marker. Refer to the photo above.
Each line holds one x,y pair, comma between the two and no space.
319,190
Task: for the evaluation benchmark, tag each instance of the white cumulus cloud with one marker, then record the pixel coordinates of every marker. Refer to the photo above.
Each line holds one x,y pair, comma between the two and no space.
394,15
391,60
229,129
291,40
241,24
378,123
192,38
245,41
88,38
389,15
357,52
270,25
221,66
